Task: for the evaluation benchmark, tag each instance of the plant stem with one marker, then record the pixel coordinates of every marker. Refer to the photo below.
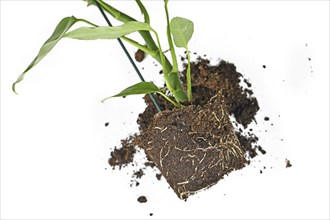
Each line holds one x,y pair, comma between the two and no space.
128,56
188,77
170,41
139,46
178,92
173,78
178,105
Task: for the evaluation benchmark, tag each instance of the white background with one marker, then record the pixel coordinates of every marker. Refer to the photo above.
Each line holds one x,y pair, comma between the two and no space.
54,145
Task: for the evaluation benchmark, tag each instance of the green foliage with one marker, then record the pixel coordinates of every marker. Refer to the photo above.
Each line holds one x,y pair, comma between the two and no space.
139,88
60,30
180,28
94,33
144,11
89,2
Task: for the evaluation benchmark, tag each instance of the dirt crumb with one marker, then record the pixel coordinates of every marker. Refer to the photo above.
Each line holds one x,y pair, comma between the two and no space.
123,155
142,199
139,55
261,149
287,163
138,174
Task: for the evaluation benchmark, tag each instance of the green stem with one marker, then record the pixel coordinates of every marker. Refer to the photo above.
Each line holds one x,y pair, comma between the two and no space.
164,65
173,73
144,11
188,76
178,105
170,41
139,46
87,22
120,16
172,80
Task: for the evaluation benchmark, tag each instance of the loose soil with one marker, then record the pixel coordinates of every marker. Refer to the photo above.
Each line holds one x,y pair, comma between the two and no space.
196,146
124,154
139,56
287,163
142,199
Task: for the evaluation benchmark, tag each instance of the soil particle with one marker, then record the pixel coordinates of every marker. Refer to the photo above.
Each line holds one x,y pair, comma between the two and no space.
261,149
247,83
139,55
266,118
248,143
142,199
158,176
106,124
123,155
150,164
264,66
138,174
287,163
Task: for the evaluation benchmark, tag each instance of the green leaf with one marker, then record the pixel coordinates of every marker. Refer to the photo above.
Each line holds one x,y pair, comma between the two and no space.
144,11
89,2
94,33
137,89
64,25
182,30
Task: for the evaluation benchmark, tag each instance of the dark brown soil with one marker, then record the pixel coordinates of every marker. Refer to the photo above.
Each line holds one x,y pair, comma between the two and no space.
208,148
193,147
142,199
139,55
124,154
207,81
138,174
287,163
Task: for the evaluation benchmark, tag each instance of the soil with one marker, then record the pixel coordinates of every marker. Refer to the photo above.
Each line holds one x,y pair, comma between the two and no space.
142,199
207,81
193,147
124,154
287,163
196,146
139,56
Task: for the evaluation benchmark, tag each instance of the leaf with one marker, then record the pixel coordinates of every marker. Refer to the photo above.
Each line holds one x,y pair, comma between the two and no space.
182,30
89,2
144,11
58,33
137,89
94,33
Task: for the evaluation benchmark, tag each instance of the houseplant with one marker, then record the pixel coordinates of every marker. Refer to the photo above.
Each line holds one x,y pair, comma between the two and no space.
193,145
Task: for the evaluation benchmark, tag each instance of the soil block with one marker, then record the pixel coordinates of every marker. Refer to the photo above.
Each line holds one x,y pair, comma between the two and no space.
193,147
